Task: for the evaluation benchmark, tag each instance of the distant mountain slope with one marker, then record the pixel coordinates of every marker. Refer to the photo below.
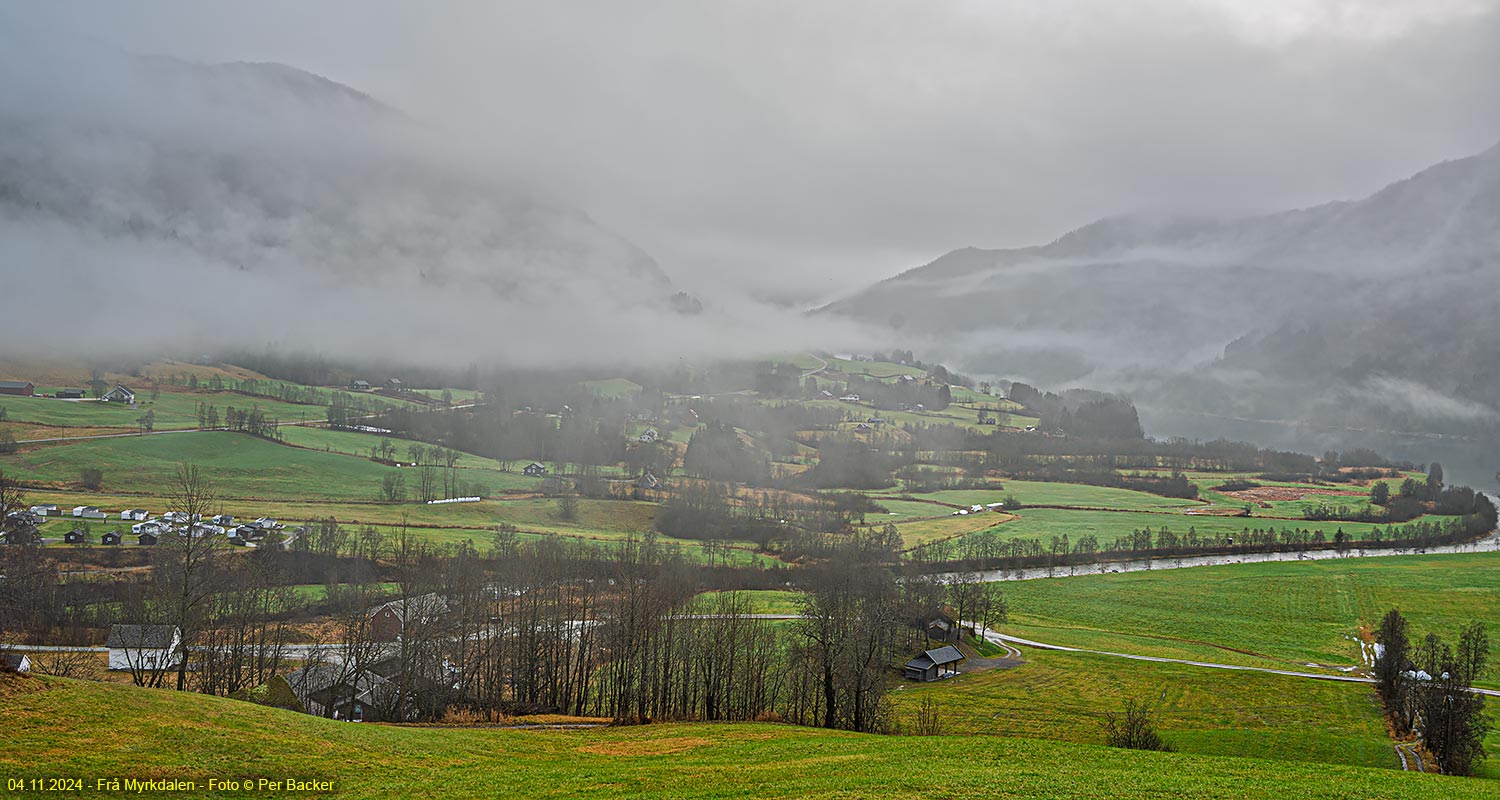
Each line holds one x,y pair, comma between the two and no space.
264,167
1226,315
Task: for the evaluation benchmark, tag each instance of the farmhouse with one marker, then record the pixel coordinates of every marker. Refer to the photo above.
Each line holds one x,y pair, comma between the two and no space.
18,388
934,664
649,435
15,662
359,386
134,514
535,469
326,691
647,482
110,538
70,394
389,619
119,394
144,646
395,384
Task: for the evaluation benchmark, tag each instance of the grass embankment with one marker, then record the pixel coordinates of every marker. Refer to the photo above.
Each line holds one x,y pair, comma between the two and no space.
1276,614
1064,696
87,730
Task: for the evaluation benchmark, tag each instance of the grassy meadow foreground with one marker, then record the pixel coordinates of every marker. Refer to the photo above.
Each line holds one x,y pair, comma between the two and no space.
64,728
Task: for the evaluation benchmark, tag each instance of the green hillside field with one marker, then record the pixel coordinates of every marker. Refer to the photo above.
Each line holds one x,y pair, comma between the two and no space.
59,728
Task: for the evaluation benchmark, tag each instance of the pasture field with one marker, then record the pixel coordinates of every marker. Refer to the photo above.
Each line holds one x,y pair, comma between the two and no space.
1044,523
193,737
931,530
359,443
1282,615
1058,695
898,510
1062,494
240,465
762,601
1355,496
953,415
612,388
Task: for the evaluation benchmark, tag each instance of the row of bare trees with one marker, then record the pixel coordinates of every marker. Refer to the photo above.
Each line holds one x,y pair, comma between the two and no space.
1427,687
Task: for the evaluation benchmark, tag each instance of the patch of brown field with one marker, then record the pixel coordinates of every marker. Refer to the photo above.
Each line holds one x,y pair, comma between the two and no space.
167,367
646,747
13,684
1267,494
561,719
24,431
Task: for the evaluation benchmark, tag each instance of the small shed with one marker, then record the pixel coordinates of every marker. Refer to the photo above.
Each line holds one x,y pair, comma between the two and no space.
934,665
535,469
146,539
76,536
70,394
110,538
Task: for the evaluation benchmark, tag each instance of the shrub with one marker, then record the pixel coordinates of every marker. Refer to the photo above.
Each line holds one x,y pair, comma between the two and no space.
1133,729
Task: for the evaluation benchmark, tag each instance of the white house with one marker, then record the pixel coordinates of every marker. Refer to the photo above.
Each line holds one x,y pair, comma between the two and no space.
87,512
223,519
850,398
155,526
144,647
134,514
119,394
266,524
46,511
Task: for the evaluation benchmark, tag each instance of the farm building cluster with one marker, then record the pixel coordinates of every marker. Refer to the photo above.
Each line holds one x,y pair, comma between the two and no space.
121,393
23,527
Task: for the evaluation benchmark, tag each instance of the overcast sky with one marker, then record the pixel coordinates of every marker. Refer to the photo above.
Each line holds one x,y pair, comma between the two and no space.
813,147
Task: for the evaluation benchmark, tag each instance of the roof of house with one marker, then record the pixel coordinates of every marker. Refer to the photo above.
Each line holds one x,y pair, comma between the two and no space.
430,604
11,661
155,637
15,384
120,387
947,654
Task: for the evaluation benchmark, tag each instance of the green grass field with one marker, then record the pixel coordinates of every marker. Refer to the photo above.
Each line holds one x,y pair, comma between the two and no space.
1044,523
62,728
240,466
1062,494
1057,695
613,388
1277,614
